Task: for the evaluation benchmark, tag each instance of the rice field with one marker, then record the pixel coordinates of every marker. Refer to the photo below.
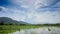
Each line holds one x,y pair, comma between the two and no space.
5,29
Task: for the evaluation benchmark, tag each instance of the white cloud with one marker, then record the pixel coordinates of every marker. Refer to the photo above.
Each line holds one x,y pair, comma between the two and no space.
3,9
31,3
12,13
57,4
32,15
47,17
35,17
18,14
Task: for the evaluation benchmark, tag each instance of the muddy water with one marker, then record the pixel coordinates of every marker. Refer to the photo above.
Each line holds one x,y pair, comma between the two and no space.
43,30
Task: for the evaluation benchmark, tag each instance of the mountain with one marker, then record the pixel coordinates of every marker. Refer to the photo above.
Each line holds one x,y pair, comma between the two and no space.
7,20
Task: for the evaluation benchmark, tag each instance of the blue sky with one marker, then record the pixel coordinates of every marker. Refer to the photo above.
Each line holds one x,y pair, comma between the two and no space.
31,11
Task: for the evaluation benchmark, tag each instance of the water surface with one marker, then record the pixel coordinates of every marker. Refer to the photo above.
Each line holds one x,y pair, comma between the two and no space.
43,30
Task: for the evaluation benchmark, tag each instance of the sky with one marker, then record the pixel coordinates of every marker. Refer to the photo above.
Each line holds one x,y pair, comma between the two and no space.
31,11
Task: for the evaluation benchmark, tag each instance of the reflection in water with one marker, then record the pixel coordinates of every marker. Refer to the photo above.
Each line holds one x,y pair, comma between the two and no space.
44,30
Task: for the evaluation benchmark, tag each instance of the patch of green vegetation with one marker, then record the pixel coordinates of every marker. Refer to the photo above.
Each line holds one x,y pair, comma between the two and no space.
5,29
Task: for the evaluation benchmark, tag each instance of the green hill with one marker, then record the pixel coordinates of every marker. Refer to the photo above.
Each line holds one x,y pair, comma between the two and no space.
6,20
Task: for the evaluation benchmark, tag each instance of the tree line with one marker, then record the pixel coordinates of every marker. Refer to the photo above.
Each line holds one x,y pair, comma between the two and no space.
2,23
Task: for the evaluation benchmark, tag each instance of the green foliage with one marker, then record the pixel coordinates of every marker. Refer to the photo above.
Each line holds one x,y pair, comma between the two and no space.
1,23
4,29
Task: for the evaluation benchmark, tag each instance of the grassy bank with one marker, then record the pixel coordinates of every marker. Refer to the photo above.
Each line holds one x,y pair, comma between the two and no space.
4,29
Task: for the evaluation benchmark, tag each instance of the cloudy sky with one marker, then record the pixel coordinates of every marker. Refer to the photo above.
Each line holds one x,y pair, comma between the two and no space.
31,11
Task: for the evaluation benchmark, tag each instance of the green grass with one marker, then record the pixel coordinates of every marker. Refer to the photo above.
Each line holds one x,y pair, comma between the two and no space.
5,29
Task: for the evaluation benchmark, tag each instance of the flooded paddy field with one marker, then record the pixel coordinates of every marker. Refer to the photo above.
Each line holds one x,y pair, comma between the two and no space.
41,30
